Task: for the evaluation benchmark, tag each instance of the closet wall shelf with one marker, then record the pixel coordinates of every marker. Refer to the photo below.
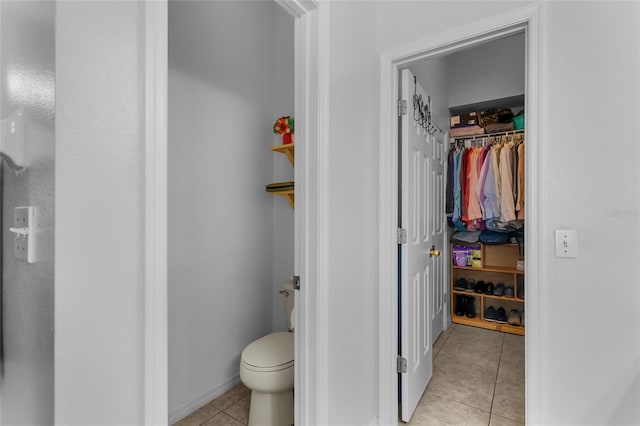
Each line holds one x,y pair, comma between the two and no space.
487,135
498,266
479,322
288,150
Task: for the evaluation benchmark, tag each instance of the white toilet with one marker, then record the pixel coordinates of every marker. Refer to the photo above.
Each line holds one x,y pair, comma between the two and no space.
266,367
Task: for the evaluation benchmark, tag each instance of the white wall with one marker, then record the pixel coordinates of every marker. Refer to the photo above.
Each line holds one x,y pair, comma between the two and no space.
28,83
591,346
589,370
283,104
490,71
98,251
230,243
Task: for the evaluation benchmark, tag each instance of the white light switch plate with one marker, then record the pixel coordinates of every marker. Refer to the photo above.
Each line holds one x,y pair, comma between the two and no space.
566,243
24,243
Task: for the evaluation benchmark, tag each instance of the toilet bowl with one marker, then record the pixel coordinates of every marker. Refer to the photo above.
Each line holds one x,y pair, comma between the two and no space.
266,367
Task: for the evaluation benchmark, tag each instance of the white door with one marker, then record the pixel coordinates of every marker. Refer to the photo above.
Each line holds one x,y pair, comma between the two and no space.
422,216
439,284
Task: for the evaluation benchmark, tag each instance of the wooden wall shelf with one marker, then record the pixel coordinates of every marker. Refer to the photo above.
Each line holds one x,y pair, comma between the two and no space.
288,194
288,150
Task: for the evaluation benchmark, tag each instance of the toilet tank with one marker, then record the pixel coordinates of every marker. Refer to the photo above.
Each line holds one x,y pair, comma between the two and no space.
289,297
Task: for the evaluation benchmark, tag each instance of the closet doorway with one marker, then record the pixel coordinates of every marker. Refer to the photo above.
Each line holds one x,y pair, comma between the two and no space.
502,30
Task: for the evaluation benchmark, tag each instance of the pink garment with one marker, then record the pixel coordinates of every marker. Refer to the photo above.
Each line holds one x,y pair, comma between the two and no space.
507,203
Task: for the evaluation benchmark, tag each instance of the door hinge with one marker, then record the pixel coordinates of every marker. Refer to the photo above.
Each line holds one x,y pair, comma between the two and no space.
402,107
296,282
402,236
402,365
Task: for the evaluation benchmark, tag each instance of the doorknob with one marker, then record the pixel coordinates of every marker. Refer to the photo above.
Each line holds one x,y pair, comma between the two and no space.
434,252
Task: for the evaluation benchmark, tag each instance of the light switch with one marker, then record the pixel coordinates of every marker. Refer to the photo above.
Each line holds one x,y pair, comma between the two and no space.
566,243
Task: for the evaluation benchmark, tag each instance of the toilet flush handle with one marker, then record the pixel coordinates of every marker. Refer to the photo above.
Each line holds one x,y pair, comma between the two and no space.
285,292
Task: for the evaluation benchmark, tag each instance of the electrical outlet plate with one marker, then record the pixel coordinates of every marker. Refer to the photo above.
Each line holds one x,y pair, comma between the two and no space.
24,243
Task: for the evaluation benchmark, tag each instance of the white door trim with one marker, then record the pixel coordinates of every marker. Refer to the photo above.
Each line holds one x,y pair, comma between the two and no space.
154,39
311,176
528,19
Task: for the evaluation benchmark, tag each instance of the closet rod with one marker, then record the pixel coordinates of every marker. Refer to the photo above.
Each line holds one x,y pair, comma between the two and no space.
488,135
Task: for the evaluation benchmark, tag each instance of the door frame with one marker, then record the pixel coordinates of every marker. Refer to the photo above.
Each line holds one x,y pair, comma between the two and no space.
311,224
529,20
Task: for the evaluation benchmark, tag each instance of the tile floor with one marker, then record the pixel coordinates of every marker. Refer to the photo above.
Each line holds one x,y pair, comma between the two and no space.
229,409
478,379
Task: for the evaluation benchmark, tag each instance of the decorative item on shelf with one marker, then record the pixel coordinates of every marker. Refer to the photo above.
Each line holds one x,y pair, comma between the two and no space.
284,127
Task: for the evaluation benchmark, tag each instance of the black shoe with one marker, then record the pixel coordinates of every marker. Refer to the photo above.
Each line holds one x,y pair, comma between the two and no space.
481,287
489,288
471,308
521,290
471,285
508,292
501,316
498,290
461,305
490,314
460,285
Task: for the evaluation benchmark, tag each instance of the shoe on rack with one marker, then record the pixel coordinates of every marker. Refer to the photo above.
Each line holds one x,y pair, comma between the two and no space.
481,287
471,285
508,292
489,290
460,285
514,318
501,316
461,305
498,290
522,318
471,308
490,314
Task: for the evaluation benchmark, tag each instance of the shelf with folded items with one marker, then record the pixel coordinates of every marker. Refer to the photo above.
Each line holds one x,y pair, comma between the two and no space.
287,192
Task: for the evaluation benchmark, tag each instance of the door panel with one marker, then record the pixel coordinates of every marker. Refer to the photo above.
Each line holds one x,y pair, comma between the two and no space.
418,198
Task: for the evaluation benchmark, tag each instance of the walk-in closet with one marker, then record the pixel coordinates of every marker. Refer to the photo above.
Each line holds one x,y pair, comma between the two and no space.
468,108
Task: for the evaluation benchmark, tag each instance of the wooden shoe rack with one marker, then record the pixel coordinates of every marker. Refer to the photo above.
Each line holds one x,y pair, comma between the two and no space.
498,264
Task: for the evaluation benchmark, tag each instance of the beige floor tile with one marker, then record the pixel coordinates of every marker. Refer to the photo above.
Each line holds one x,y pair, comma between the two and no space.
511,371
240,410
223,419
508,401
441,340
465,387
234,395
435,410
199,417
467,359
503,421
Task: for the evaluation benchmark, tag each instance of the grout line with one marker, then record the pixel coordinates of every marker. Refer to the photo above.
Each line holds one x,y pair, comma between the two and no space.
495,383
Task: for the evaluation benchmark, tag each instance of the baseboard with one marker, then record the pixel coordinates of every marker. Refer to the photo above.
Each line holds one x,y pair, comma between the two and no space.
185,409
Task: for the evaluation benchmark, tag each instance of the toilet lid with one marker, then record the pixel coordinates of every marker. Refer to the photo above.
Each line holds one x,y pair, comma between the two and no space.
272,350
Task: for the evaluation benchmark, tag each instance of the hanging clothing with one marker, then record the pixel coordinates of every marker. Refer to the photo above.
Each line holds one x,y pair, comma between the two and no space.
520,197
507,204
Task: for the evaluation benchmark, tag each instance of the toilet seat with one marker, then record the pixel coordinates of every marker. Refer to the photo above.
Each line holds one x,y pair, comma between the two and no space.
273,352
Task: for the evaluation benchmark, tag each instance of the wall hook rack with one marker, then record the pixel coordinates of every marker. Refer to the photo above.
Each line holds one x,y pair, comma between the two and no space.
422,111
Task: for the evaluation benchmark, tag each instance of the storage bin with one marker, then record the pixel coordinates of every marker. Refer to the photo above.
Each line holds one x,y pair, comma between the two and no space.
518,122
